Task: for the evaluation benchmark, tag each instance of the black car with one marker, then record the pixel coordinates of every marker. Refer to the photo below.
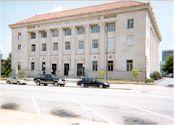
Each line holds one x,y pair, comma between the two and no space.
46,79
94,82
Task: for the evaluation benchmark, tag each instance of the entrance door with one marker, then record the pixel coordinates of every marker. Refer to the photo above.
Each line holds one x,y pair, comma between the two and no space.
66,69
80,69
54,69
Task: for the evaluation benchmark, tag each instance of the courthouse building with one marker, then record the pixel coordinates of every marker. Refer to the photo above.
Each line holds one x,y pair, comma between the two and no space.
117,37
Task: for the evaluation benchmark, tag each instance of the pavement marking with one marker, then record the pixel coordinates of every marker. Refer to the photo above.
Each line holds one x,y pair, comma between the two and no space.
148,111
95,112
35,105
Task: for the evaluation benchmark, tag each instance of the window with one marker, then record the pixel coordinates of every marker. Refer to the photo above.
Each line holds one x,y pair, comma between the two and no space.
95,29
19,47
110,65
33,35
19,35
32,65
80,45
55,46
43,67
80,30
110,44
67,31
94,66
95,44
130,40
43,47
130,23
67,45
33,48
54,33
110,27
19,67
129,65
43,34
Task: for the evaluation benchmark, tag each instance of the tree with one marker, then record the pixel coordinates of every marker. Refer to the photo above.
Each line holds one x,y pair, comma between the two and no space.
6,66
136,74
168,67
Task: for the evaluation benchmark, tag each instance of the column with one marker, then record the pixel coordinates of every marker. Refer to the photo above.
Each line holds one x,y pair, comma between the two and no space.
73,50
103,46
48,50
37,56
87,49
60,53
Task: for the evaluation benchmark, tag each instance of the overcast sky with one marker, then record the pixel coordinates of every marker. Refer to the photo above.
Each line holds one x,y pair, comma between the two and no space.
12,11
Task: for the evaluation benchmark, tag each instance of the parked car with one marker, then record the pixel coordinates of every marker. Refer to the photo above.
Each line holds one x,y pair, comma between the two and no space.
94,82
46,79
16,80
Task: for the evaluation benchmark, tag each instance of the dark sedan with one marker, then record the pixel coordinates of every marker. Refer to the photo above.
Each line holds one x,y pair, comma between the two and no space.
93,82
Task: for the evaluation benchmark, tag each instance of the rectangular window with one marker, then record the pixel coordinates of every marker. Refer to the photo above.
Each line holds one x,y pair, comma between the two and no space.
67,45
33,48
19,67
95,44
32,65
110,44
130,40
94,66
80,45
43,47
67,31
110,27
19,47
54,33
33,35
55,46
110,65
95,28
19,35
130,23
43,67
43,34
80,30
129,65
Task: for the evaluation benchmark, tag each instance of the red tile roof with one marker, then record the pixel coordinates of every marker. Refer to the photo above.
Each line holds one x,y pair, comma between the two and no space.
81,11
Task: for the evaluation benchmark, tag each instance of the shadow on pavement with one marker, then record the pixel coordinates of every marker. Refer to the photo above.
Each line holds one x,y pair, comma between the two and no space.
12,106
137,121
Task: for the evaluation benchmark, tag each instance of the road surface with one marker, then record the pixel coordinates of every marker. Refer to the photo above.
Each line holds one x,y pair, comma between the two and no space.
79,106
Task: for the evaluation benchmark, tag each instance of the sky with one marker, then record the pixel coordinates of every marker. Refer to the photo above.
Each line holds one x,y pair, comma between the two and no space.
12,11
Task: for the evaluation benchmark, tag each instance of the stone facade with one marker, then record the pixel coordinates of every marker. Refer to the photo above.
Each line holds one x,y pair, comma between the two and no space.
142,49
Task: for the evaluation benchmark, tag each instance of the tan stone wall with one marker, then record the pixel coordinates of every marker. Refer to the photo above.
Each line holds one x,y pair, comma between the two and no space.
119,56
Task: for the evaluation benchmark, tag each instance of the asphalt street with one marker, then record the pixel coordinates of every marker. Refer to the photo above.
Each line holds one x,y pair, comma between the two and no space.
143,105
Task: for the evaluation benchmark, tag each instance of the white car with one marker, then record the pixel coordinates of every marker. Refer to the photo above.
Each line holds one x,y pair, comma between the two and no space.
15,80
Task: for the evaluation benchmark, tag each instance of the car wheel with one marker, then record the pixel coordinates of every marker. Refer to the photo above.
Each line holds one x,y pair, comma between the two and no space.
8,82
62,85
38,83
55,83
18,82
82,85
100,86
45,84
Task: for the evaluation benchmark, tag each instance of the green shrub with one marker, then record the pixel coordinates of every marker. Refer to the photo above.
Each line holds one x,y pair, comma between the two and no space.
155,75
149,80
101,74
136,74
21,74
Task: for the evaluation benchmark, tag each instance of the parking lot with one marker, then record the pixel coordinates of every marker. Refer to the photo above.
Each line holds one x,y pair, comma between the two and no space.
72,105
